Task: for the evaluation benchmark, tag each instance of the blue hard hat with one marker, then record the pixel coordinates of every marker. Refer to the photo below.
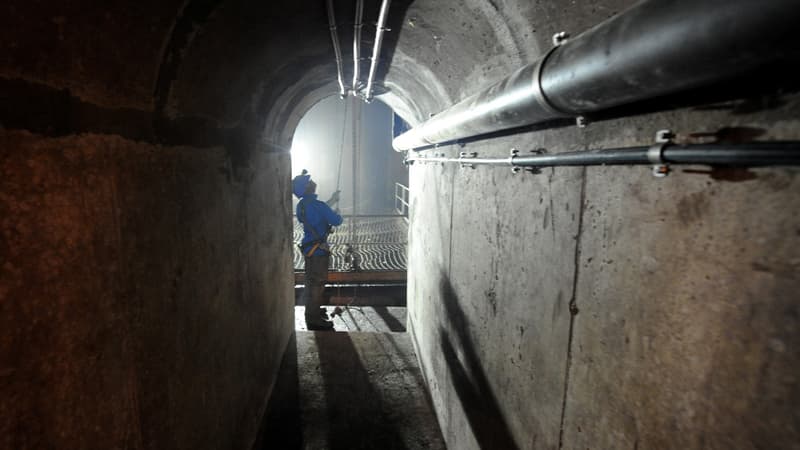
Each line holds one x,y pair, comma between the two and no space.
300,182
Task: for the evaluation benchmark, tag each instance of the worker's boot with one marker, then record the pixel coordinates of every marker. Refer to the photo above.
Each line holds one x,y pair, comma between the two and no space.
319,325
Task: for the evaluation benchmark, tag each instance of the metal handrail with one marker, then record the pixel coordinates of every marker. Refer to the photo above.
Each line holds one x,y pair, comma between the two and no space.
401,195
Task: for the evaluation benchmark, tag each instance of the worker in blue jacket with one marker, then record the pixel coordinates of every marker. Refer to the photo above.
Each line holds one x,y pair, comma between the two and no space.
318,219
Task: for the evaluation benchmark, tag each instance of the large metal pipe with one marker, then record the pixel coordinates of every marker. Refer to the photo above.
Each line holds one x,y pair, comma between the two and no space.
357,25
752,154
656,47
336,50
376,49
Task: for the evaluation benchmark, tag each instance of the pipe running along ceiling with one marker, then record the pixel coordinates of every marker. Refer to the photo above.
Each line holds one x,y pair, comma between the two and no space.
653,49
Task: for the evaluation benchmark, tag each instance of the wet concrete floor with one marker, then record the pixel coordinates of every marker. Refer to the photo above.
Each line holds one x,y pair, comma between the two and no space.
351,390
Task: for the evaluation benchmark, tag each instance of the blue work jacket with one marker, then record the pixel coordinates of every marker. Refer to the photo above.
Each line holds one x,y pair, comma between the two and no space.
315,216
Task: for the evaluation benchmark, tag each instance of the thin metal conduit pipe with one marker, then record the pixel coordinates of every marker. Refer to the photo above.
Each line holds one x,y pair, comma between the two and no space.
753,154
336,50
357,44
653,49
376,49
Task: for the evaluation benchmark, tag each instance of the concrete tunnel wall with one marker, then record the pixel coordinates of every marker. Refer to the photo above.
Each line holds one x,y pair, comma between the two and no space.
597,307
146,288
145,279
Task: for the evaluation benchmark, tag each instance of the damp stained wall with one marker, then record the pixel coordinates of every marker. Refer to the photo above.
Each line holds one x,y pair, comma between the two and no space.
599,307
141,307
146,291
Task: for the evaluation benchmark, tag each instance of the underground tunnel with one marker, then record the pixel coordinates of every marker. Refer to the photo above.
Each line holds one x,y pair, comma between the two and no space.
593,208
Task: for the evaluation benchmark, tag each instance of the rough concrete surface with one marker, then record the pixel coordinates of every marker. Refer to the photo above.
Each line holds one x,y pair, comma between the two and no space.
87,48
688,308
616,312
350,391
145,277
519,331
140,307
145,262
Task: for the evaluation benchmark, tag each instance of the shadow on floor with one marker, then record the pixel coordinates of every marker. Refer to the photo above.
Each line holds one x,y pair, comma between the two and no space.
349,391
282,426
357,416
391,321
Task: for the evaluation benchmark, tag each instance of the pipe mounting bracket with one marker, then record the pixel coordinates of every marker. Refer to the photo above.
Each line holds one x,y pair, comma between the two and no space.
560,38
655,154
463,157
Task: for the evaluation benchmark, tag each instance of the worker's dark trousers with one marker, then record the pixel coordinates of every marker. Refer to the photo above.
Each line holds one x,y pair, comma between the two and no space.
313,293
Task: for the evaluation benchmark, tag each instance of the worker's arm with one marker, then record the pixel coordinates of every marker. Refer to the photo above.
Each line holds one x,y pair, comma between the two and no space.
330,215
334,199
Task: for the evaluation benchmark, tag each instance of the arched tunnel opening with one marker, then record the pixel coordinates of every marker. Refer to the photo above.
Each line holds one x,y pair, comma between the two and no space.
345,147
602,234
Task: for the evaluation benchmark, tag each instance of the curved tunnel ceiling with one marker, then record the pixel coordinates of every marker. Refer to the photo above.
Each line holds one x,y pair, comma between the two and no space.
274,61
257,66
261,66
209,72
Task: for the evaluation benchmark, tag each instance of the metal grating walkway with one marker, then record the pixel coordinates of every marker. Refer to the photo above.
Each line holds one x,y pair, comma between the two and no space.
378,241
